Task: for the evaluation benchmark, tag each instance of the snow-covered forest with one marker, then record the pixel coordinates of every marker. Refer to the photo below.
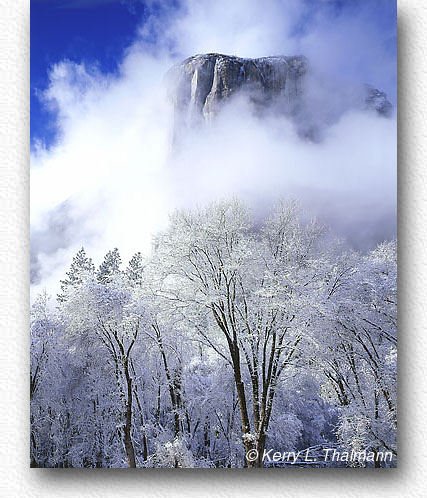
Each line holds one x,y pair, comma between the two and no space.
229,337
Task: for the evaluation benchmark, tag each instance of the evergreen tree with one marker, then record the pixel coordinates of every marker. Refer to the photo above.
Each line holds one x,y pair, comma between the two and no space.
81,264
110,266
135,269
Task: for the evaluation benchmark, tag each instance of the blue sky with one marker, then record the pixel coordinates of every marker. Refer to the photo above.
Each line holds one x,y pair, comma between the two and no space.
94,31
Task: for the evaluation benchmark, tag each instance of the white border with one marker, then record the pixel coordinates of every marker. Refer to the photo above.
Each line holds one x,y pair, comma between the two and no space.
18,480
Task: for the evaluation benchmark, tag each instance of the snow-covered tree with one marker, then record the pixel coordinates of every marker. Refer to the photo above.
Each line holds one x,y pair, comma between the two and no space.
109,317
135,269
80,266
357,348
248,296
109,267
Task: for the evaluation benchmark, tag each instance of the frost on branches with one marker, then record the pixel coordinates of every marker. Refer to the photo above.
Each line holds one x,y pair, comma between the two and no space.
226,341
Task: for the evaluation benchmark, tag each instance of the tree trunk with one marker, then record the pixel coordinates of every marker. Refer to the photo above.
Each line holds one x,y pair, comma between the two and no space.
260,447
240,388
141,412
127,436
171,383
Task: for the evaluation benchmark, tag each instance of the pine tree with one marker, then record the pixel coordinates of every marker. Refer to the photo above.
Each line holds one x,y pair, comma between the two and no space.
109,267
135,269
81,264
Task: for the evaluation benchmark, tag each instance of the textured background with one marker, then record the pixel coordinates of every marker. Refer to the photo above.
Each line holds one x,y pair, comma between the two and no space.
17,479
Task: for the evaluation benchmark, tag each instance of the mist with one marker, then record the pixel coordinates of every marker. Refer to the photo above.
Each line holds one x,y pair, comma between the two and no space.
113,175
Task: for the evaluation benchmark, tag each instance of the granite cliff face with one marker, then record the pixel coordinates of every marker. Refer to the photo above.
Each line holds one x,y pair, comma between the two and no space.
200,85
377,100
202,82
